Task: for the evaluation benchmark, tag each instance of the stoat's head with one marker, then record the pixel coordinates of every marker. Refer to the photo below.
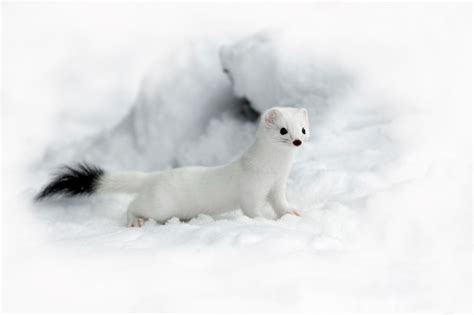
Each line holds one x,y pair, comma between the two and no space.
287,126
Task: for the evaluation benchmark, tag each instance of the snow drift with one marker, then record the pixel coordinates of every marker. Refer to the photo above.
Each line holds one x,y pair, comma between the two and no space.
381,229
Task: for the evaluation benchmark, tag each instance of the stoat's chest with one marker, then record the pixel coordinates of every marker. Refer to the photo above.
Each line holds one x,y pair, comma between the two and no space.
267,161
265,170
259,181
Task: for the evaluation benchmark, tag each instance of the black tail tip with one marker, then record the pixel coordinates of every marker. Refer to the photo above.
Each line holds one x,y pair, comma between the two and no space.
81,179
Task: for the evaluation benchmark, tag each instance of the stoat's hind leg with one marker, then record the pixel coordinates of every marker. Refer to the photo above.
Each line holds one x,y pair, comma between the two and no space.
135,221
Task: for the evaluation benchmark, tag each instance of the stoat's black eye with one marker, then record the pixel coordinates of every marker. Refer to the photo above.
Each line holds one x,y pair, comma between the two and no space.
283,131
303,131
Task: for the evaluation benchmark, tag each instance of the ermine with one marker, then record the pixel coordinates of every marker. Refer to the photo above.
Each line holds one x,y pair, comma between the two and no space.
257,177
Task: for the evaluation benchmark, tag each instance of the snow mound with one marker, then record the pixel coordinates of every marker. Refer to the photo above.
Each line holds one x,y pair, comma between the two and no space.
178,99
383,184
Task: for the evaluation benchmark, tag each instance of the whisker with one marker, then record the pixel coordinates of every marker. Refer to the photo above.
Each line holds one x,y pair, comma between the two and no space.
280,140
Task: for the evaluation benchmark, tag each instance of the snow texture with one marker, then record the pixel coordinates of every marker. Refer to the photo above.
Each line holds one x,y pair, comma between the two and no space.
384,184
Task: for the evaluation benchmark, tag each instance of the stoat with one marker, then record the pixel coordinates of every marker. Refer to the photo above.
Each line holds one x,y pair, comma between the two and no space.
257,177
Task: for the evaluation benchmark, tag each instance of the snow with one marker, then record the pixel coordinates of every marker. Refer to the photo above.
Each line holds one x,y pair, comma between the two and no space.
384,184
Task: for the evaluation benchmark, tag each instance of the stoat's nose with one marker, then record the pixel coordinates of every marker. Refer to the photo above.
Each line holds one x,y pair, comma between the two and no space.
297,142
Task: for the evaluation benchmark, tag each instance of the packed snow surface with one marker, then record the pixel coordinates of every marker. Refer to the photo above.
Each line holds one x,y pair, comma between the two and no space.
384,184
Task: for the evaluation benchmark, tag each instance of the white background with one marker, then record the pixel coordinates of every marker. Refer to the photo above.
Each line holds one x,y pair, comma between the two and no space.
72,70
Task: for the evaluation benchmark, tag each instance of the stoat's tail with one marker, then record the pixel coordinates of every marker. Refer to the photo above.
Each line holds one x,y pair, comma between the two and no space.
85,179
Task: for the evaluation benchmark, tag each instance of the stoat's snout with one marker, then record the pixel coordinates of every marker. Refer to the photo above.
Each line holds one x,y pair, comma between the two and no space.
297,142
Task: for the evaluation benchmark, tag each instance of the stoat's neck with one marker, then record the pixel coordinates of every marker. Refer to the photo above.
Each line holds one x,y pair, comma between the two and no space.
269,155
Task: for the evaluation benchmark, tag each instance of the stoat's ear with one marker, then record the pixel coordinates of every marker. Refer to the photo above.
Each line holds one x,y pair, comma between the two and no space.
304,111
305,115
271,116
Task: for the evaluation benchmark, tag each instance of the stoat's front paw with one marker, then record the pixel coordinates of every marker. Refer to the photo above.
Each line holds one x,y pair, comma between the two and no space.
295,212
